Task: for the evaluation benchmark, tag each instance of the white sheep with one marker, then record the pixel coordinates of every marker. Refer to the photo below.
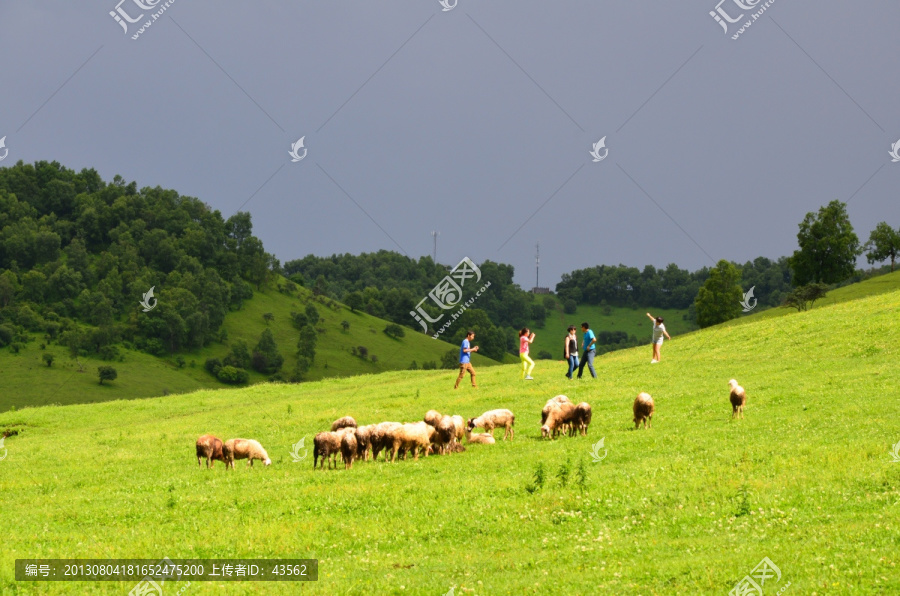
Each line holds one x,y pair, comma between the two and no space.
459,428
493,419
432,417
483,438
412,437
738,399
248,449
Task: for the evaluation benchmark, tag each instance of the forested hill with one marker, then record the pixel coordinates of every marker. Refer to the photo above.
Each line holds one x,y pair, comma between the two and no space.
74,248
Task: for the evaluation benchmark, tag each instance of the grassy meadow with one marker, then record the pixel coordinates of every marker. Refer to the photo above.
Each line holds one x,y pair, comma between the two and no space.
689,506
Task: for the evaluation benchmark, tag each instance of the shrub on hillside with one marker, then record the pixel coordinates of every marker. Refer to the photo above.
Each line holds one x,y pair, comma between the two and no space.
232,375
394,330
212,366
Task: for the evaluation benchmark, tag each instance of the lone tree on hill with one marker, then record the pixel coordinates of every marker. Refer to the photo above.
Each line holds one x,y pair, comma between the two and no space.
719,299
883,244
828,247
106,373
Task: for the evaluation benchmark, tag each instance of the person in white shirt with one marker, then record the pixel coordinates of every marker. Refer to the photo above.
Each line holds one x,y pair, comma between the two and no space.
659,330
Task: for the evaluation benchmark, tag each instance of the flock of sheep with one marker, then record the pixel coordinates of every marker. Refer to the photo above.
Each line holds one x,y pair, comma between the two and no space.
435,434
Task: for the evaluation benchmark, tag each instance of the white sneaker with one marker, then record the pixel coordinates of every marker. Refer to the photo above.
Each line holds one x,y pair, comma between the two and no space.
529,378
654,361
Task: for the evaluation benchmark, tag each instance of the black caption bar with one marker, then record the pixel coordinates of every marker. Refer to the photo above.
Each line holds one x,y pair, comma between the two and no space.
154,571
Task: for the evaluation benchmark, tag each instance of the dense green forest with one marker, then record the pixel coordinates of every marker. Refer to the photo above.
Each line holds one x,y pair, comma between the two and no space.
76,250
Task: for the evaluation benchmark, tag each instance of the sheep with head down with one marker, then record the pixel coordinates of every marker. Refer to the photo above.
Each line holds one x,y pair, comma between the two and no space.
327,445
581,420
643,410
412,437
494,419
345,422
248,449
557,419
209,447
738,399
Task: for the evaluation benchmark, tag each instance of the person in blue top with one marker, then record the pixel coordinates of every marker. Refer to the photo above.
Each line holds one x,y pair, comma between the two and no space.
464,359
587,345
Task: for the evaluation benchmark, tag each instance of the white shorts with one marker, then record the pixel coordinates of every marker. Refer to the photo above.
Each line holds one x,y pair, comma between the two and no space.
658,341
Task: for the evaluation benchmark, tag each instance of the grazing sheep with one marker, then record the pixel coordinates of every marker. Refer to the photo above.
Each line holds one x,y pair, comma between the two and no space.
552,403
382,438
459,428
432,417
327,445
445,432
209,447
349,446
643,410
738,399
456,448
412,437
582,418
363,441
248,449
557,419
483,438
345,422
492,419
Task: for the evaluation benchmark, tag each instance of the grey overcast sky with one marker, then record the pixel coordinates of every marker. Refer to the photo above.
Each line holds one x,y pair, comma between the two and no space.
475,121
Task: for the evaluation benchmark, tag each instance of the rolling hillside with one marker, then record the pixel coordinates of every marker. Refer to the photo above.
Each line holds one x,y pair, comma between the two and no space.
690,506
26,381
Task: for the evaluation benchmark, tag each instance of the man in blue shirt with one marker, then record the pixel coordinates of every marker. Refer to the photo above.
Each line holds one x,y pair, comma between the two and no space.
465,357
589,350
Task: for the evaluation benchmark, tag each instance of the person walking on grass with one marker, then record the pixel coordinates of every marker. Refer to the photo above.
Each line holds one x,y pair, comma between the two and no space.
527,363
587,344
465,363
571,351
659,330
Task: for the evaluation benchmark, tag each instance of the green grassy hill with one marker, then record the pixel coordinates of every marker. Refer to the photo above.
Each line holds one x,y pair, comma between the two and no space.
26,381
689,506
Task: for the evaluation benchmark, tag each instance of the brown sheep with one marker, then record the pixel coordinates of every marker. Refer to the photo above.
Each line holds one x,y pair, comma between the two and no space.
557,419
493,419
349,446
432,417
327,445
345,422
582,418
363,441
444,435
382,438
643,410
209,447
738,399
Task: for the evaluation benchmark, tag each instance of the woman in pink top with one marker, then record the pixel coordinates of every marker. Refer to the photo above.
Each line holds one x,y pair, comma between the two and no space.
527,363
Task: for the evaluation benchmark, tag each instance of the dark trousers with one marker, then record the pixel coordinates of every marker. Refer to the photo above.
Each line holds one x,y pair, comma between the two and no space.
588,359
